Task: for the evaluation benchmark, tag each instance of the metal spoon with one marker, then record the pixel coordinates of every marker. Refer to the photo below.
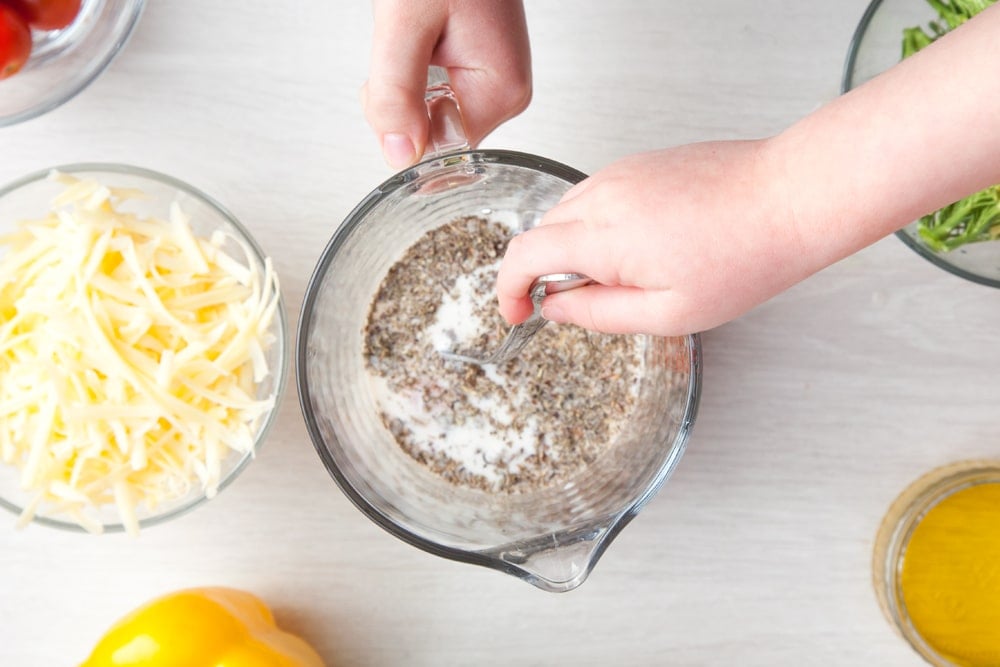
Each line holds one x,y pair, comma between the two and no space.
519,334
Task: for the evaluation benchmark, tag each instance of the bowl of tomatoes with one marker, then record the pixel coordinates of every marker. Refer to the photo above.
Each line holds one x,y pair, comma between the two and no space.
50,50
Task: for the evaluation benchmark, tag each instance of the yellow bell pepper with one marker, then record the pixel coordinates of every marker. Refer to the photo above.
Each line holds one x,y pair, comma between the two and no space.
202,627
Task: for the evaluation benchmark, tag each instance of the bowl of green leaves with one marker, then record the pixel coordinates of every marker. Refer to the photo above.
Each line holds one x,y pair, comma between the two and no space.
963,237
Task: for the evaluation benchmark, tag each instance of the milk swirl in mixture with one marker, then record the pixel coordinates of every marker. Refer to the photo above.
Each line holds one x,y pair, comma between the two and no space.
531,422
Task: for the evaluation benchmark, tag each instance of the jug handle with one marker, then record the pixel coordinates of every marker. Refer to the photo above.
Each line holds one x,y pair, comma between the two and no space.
447,128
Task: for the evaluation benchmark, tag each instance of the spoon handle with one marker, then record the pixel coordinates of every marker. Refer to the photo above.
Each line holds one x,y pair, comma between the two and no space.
519,335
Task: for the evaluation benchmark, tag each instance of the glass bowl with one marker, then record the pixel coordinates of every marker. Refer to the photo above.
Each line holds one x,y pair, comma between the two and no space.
894,537
64,62
875,47
550,536
30,198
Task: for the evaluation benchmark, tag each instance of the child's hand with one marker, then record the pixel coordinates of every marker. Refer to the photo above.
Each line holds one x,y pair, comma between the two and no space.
482,43
682,240
679,240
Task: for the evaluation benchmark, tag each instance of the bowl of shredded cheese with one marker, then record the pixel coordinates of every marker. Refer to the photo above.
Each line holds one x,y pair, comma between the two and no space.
142,347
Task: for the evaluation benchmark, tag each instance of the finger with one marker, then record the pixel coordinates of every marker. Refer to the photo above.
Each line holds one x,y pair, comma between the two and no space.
488,57
573,206
617,310
576,190
404,40
489,97
560,243
568,247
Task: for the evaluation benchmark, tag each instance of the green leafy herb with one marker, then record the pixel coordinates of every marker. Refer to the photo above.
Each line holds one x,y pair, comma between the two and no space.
977,217
952,13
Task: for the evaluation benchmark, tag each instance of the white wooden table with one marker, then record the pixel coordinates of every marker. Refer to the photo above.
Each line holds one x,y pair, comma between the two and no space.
818,407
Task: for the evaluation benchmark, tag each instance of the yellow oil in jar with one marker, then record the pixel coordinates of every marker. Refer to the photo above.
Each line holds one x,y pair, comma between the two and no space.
949,578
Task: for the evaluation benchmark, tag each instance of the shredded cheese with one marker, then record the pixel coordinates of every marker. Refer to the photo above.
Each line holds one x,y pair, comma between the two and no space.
131,352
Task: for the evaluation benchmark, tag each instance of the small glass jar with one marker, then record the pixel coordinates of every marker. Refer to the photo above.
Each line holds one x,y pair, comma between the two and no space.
896,531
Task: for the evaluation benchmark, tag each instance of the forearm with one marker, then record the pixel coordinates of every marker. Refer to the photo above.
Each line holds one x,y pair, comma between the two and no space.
684,239
921,135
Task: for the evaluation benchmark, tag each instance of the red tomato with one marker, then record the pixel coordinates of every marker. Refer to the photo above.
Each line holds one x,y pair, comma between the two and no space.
46,14
15,42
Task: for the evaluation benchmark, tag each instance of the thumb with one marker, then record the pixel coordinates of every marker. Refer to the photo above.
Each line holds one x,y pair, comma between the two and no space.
393,97
399,119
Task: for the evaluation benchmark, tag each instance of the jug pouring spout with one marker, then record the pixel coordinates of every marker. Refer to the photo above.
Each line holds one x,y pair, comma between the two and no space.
560,561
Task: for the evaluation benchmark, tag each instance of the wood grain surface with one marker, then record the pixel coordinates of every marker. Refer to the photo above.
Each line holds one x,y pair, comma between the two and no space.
818,407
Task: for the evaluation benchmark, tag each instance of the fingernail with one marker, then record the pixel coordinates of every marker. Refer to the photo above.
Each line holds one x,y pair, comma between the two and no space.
554,314
398,150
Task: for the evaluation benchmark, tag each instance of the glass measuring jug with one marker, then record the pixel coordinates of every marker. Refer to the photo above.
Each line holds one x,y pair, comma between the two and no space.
551,536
